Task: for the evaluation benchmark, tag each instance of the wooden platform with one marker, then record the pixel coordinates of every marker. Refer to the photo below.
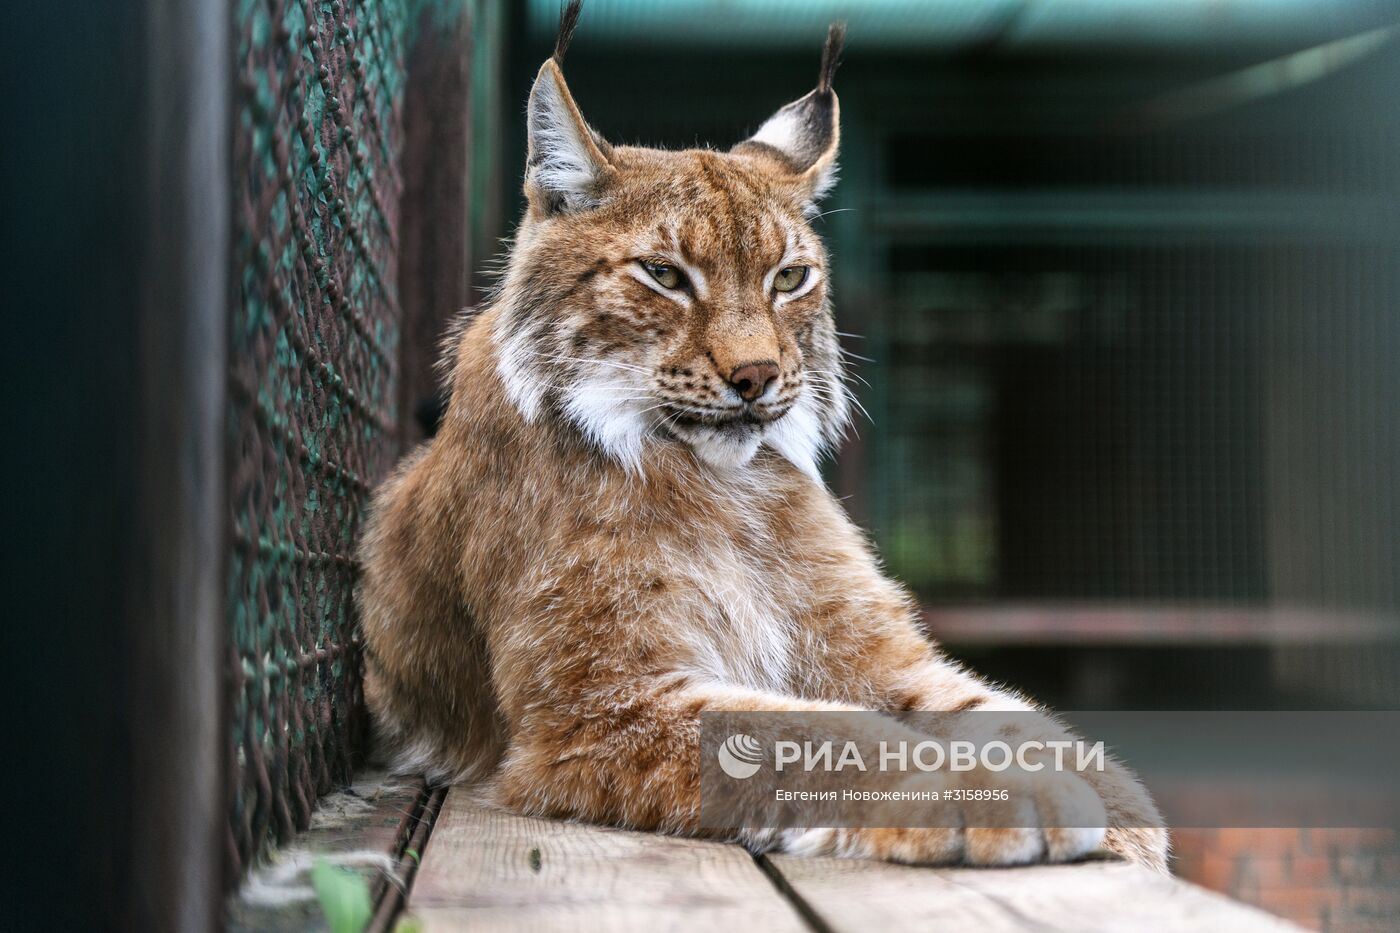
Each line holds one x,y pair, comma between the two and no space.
485,870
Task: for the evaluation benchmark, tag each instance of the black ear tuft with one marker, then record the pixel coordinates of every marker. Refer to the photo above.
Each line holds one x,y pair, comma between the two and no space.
568,22
831,55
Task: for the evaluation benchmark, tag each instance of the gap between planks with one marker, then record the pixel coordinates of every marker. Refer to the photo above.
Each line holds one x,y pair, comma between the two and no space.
489,870
368,828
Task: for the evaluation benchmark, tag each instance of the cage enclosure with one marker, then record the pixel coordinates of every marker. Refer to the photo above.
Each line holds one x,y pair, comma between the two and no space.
1127,286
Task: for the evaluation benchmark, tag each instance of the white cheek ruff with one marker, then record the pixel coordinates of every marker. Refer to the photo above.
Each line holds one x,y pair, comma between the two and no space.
606,403
797,436
607,407
516,367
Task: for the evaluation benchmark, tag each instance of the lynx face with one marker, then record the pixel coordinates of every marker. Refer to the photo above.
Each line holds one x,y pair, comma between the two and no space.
662,297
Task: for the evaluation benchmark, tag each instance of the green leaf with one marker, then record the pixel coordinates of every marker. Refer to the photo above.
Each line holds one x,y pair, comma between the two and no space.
344,897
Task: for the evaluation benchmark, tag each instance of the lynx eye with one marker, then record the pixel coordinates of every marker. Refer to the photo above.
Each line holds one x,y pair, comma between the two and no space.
789,278
666,275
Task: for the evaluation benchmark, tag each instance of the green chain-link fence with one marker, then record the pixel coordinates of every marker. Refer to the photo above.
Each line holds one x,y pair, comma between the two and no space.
314,382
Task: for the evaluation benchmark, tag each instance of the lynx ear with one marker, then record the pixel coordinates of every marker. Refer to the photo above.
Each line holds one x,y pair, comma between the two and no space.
807,132
566,162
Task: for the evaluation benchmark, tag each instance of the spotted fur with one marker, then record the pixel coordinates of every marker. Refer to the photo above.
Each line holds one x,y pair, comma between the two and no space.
605,540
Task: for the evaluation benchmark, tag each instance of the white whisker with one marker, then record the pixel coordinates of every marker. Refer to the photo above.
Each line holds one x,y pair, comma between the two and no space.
846,376
614,364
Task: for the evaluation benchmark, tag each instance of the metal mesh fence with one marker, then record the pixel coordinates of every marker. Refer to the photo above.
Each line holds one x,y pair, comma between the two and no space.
1128,368
314,386
1076,423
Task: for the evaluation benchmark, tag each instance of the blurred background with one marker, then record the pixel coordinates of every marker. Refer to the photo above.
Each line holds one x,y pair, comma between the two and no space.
1121,277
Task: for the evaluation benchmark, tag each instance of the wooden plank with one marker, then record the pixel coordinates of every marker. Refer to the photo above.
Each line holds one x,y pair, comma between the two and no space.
1091,896
485,869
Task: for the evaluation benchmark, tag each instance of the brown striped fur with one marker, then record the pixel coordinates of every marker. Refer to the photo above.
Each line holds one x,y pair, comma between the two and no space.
595,548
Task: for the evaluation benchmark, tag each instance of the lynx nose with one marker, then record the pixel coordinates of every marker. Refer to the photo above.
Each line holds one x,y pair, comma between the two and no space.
751,379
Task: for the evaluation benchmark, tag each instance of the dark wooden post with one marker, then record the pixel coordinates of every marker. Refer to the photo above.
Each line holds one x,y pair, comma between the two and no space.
115,186
177,579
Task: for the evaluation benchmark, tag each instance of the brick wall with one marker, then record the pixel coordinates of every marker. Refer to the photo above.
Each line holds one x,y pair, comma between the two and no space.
1324,879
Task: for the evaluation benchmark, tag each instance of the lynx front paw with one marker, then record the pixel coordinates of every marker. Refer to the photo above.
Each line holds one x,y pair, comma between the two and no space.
1058,819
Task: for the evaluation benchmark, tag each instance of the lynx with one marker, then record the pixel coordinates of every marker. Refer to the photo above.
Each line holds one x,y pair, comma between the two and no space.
621,522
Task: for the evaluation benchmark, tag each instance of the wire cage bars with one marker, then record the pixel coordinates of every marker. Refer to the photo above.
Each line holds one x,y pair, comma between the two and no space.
315,373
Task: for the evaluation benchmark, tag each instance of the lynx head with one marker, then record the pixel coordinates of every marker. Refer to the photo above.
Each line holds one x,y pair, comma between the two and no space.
676,296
